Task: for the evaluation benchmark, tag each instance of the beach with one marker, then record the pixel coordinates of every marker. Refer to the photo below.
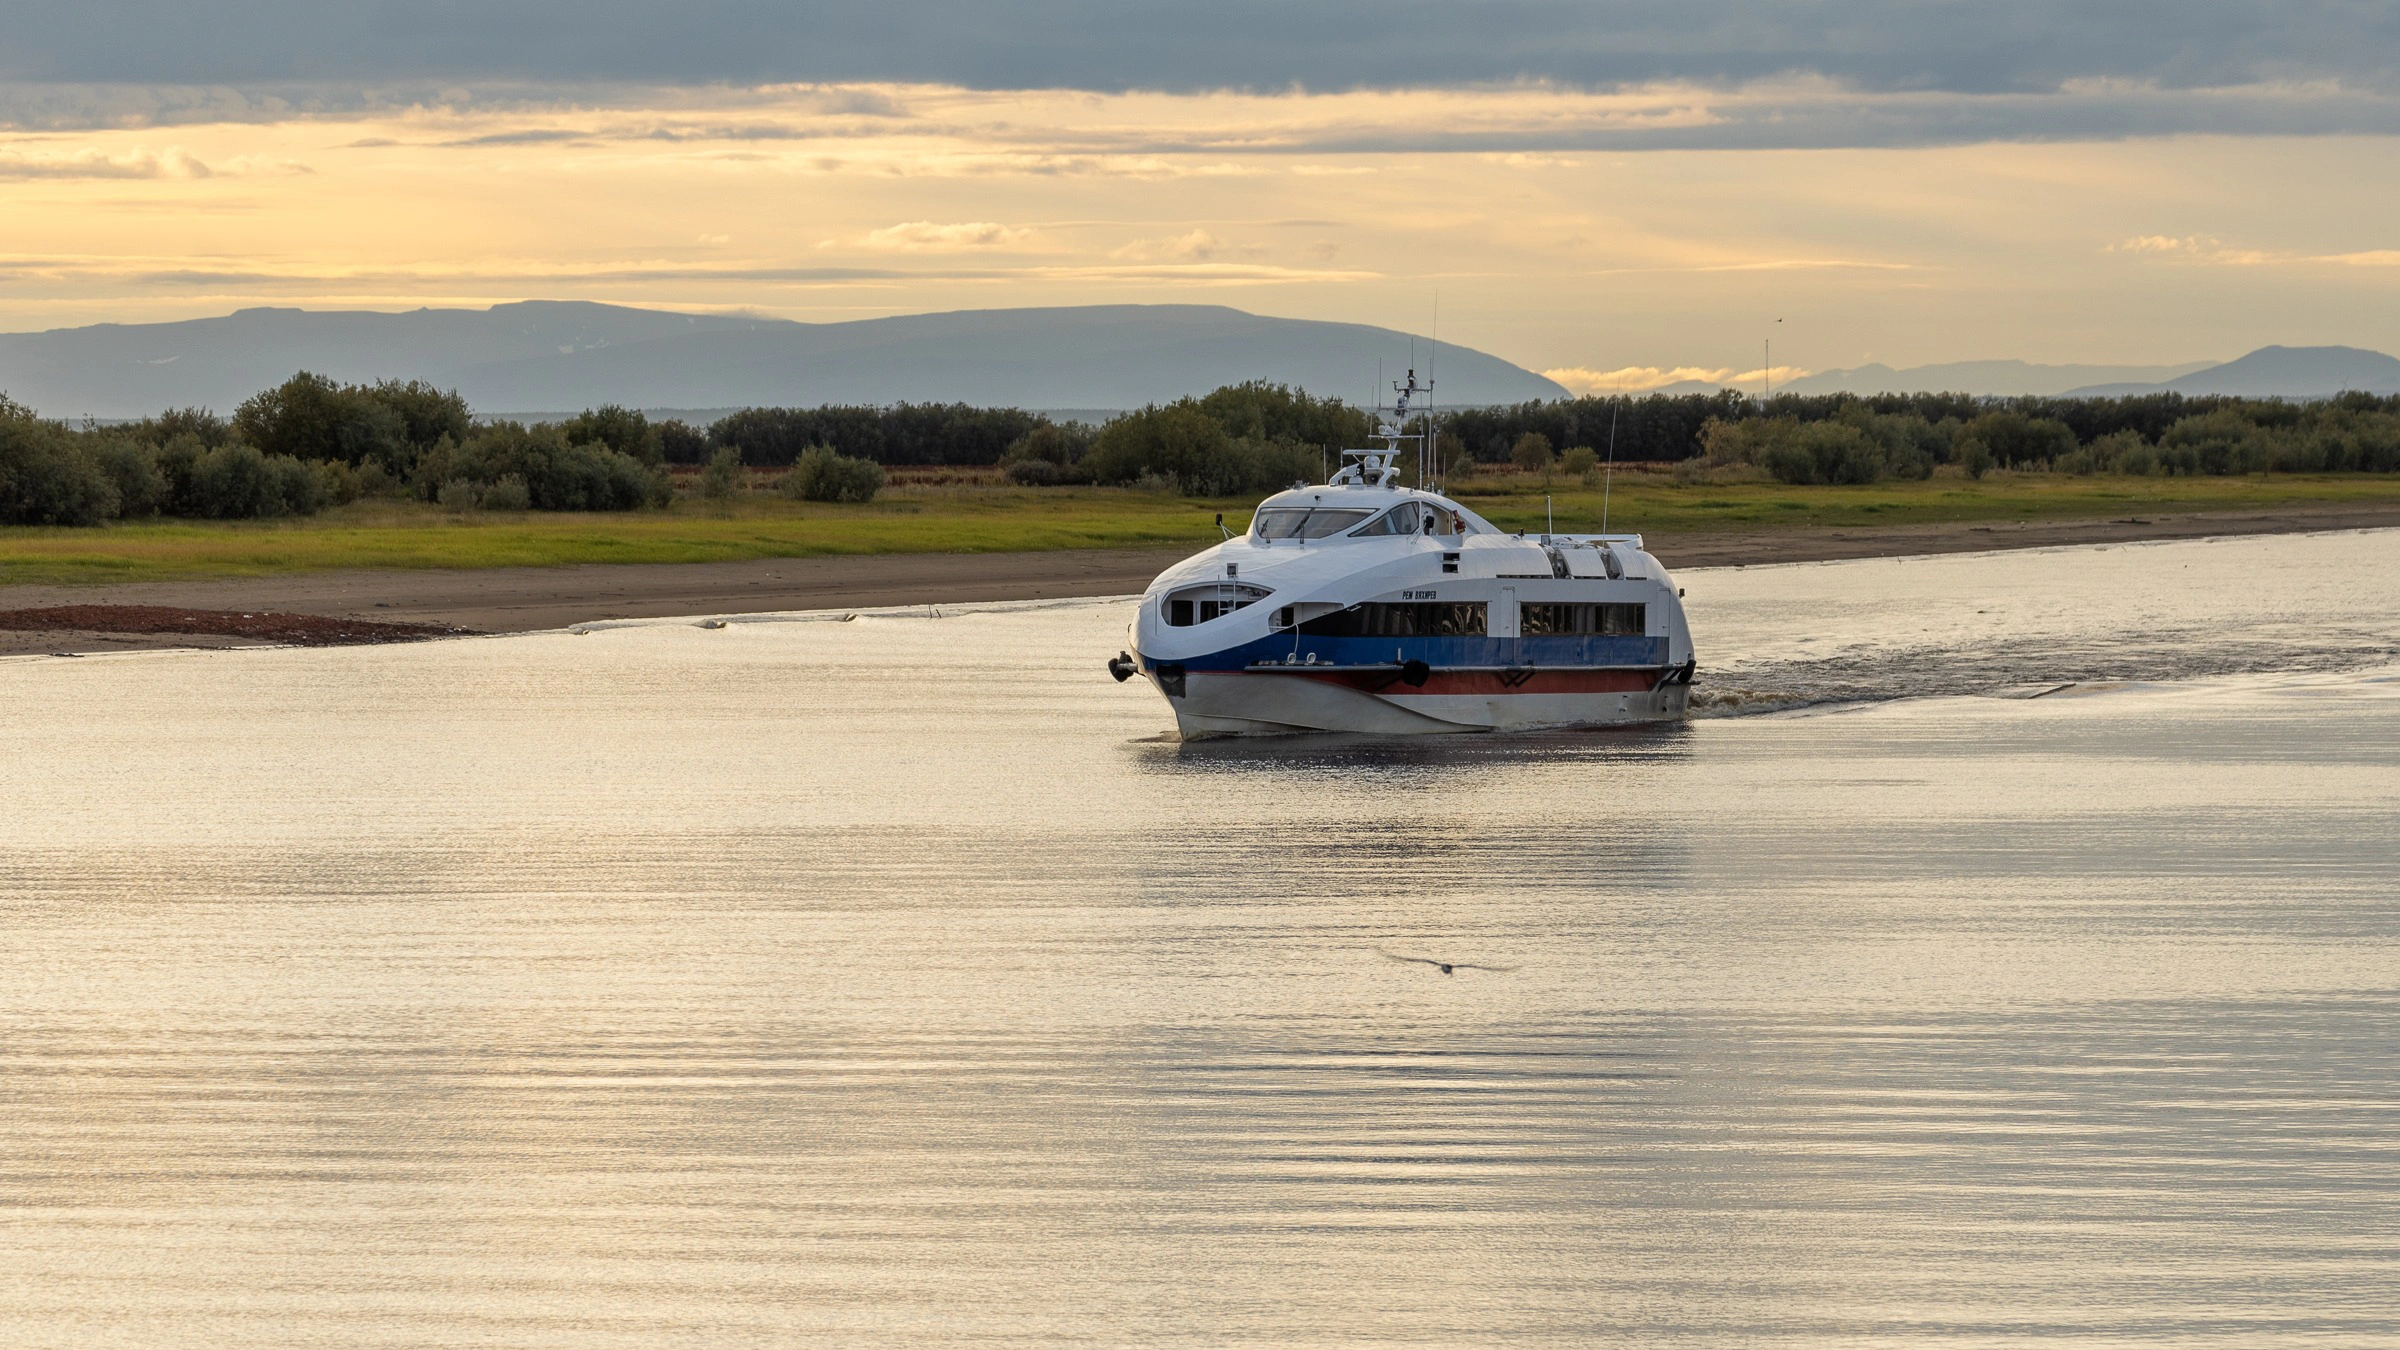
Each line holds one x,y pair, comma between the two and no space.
248,611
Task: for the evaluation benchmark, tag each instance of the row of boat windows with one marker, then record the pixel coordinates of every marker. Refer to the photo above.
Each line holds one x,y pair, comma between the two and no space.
1185,613
1320,522
1468,618
1538,620
1464,619
1471,619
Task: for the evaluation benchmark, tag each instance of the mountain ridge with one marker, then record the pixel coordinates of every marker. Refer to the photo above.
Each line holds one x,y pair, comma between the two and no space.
2268,372
2276,372
565,353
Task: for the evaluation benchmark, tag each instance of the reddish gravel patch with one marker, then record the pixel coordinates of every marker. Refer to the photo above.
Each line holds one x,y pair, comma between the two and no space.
302,630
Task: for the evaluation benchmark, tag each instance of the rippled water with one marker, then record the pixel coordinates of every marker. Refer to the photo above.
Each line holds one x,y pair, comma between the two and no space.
891,982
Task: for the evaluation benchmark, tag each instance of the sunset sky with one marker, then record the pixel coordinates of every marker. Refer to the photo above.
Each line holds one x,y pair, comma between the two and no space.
1619,195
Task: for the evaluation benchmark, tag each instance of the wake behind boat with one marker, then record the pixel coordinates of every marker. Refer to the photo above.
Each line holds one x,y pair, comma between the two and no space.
1363,605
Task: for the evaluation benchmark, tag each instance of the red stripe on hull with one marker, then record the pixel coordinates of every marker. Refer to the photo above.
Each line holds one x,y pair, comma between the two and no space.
1490,682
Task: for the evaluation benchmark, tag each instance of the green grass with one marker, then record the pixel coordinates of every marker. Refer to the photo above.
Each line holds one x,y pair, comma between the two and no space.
993,519
1653,504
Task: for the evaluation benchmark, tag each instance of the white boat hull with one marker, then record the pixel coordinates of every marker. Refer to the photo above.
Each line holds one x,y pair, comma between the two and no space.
1259,703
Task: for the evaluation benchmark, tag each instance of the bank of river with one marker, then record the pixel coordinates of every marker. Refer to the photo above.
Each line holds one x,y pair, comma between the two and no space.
518,599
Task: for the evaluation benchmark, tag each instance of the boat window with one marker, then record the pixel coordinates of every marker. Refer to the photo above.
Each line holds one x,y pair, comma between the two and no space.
1199,604
1401,620
1305,522
1408,519
1550,620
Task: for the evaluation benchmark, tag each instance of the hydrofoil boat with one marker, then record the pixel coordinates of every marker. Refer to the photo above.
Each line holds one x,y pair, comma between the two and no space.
1363,605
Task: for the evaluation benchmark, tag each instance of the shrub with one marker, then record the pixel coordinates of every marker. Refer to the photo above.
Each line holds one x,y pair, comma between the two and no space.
1531,452
1180,445
1050,443
722,479
426,413
211,430
506,493
341,482
822,475
346,483
47,477
1275,465
132,468
2014,439
2109,453
1177,442
1032,472
679,442
1909,445
2217,442
1578,460
1794,451
311,417
236,482
558,475
620,429
1257,410
1973,455
1827,452
904,433
458,494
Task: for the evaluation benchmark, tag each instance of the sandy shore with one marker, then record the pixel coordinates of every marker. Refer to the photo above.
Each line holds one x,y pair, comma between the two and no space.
500,600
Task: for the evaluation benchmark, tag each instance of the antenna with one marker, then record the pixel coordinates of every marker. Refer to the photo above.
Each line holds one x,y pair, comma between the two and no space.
1429,453
1609,474
1549,519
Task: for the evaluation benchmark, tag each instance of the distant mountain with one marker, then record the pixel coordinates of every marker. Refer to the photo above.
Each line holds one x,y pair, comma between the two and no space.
1980,377
2276,372
2269,372
1954,377
572,354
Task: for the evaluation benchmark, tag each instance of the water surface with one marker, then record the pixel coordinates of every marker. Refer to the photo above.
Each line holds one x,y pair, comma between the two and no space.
893,981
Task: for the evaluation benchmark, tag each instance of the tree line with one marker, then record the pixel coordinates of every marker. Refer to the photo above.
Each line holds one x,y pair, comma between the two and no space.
1850,438
312,442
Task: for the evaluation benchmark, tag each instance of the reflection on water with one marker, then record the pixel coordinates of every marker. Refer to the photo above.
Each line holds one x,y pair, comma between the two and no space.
888,981
1982,623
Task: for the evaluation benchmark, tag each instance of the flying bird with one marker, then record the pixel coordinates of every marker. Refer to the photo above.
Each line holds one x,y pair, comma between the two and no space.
1446,967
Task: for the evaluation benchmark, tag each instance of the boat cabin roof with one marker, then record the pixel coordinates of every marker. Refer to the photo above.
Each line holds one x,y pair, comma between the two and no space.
1348,510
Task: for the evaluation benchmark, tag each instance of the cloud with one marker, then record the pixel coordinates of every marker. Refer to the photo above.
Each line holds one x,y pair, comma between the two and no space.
137,163
1194,246
1639,379
261,166
2207,250
529,136
925,236
506,276
1810,72
1115,45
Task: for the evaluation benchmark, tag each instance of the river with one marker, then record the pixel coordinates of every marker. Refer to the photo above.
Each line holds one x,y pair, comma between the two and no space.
2010,951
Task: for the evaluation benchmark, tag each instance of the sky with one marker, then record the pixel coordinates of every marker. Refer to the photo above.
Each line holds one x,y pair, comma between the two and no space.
1618,194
